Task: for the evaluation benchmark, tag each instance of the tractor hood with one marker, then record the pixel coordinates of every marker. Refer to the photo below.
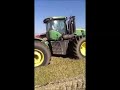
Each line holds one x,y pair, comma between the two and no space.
80,31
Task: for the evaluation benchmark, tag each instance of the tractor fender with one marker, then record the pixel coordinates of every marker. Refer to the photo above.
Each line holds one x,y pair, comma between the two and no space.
39,39
43,41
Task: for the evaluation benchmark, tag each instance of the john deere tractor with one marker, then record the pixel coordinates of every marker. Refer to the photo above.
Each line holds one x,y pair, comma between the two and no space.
61,38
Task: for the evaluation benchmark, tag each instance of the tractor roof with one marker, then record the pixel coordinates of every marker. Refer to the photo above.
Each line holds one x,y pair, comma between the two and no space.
58,17
54,17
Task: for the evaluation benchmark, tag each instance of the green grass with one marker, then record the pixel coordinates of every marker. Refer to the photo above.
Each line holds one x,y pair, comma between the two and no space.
59,68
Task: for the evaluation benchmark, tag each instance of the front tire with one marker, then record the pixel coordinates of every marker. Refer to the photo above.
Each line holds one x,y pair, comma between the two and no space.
42,54
79,48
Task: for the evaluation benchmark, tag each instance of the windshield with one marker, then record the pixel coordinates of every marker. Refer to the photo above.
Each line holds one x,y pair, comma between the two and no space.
58,25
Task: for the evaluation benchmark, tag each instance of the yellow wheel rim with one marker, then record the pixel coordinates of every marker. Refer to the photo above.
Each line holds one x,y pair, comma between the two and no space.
83,48
38,57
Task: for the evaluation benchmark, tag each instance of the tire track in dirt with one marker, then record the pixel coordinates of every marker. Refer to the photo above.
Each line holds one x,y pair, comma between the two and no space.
76,83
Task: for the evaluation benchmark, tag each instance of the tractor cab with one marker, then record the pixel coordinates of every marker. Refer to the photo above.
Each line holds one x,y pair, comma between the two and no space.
56,23
56,27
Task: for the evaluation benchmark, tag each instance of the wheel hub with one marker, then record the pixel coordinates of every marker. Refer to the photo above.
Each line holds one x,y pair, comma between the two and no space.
83,48
38,57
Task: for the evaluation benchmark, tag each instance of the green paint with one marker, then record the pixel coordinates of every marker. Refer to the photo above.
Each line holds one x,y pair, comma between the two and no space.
54,35
46,43
79,32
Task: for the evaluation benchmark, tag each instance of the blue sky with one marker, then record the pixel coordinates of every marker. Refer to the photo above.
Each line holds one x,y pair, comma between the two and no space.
47,8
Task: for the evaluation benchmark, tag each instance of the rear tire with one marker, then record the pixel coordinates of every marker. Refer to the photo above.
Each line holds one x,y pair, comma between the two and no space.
75,48
44,52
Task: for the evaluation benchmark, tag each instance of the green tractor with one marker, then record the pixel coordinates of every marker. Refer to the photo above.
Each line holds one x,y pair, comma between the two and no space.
61,38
